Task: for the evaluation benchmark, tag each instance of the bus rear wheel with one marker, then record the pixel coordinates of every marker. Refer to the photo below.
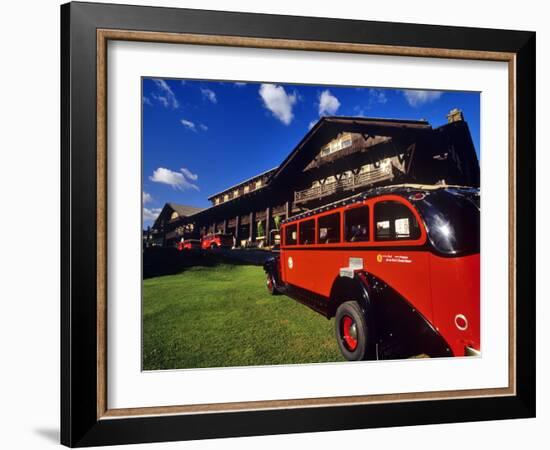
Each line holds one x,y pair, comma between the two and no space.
352,333
271,286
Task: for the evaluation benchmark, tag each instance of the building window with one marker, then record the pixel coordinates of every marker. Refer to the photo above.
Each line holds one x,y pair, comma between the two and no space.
226,197
394,221
356,223
329,229
246,189
307,232
258,184
174,215
235,193
290,235
217,201
346,142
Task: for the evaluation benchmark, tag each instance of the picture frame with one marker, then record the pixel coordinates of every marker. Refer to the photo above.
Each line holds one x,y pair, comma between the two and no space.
86,28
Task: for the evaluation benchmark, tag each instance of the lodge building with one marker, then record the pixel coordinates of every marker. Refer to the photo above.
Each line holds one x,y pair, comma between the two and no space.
338,157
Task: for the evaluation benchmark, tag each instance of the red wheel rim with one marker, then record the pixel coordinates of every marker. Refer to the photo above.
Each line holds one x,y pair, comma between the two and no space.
349,332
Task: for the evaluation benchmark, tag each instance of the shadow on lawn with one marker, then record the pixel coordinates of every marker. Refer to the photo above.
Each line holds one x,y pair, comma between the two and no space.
158,261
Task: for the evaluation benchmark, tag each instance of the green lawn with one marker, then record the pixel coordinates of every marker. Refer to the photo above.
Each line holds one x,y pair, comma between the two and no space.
223,316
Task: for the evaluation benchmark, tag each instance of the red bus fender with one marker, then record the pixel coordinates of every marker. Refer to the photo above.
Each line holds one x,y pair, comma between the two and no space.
399,329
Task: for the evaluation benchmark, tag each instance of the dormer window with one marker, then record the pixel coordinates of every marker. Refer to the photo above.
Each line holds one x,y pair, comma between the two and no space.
258,184
226,197
174,215
246,189
346,142
235,193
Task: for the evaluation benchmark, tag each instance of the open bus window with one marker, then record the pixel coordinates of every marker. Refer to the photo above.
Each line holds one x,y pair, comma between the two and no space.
394,221
357,224
290,235
329,229
307,232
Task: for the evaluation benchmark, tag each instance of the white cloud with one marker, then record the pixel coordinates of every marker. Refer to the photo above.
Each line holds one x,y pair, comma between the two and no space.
209,94
239,83
377,96
178,180
278,102
359,111
147,197
162,100
147,101
328,103
312,124
193,126
188,124
151,214
416,98
165,96
189,175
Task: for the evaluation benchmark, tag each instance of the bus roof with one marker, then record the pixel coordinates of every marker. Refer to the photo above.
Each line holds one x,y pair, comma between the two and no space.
398,189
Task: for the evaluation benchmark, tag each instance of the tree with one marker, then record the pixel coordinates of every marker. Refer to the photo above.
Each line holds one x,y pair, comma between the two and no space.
260,228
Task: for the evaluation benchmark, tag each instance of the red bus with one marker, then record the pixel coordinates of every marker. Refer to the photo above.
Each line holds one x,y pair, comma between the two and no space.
189,244
396,267
218,240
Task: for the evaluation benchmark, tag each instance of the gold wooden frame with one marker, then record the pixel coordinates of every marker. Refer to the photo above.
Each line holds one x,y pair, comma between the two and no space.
103,36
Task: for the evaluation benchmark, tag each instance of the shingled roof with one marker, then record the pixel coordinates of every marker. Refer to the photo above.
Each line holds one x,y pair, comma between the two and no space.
181,210
184,210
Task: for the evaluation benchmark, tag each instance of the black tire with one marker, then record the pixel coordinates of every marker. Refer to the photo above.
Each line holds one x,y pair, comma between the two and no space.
271,284
213,246
356,345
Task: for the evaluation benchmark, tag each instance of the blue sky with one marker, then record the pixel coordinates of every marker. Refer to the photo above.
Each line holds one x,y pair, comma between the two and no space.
200,137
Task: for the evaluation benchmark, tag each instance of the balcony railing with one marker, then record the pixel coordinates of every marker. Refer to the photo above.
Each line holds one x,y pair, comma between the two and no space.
345,184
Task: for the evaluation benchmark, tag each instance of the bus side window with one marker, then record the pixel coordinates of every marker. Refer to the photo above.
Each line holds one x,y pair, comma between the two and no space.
329,229
290,234
394,221
307,232
356,221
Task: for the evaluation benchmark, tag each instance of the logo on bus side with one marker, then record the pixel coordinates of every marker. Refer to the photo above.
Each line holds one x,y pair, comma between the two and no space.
390,258
290,262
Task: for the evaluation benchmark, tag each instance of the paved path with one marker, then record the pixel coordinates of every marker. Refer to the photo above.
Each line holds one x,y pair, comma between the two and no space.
251,256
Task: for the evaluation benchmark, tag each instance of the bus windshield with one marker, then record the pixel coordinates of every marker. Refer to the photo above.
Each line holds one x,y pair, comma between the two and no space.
452,220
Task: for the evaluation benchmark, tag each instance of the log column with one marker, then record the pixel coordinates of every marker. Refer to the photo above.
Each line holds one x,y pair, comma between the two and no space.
251,235
237,231
288,209
268,225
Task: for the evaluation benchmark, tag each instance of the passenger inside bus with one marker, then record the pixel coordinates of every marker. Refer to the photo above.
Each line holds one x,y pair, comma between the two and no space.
357,224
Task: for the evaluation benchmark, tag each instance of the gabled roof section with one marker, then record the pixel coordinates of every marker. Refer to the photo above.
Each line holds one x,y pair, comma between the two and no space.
181,210
248,180
329,127
184,210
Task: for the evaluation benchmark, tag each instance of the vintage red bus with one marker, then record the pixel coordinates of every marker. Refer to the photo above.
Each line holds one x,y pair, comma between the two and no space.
397,267
217,240
189,244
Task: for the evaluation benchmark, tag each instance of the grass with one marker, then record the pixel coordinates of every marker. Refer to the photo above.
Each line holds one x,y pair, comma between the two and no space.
222,316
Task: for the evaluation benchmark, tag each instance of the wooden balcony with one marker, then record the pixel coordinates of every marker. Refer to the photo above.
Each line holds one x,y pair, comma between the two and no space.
344,184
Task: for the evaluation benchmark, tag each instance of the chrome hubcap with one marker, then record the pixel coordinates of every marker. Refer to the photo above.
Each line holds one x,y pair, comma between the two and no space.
353,331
